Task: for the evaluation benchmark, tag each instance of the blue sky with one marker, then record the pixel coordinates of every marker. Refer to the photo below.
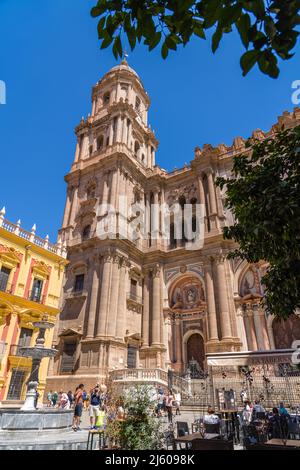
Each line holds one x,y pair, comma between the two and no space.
50,59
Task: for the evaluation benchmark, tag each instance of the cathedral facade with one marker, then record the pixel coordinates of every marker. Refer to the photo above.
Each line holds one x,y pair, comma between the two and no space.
152,300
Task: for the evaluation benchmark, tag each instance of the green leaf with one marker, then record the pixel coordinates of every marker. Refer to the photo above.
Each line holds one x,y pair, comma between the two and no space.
101,32
248,60
171,42
164,51
131,35
117,47
155,40
107,41
217,36
243,25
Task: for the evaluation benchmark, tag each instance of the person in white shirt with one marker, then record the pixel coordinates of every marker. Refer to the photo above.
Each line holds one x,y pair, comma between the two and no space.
211,417
177,403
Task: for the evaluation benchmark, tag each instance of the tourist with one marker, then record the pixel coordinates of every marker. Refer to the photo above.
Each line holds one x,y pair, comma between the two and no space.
94,408
274,425
282,410
160,403
85,399
64,401
71,398
257,408
169,406
177,403
54,399
37,395
78,401
247,413
49,399
211,417
59,398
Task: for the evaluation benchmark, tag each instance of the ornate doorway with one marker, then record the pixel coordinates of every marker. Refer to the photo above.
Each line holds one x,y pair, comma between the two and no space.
195,352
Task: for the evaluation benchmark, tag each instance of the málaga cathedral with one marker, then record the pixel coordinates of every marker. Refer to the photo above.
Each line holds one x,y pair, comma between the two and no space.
134,308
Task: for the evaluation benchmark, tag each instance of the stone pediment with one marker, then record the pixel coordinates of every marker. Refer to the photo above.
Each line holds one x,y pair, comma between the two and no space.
10,255
70,332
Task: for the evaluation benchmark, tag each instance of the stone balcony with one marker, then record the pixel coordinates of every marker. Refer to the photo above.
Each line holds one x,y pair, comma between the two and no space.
31,237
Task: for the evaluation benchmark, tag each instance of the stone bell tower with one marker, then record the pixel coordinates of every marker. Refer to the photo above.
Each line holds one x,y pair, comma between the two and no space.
100,325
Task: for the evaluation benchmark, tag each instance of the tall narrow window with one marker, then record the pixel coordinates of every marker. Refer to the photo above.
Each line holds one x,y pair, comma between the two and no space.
86,233
36,293
100,142
4,276
106,98
79,283
131,357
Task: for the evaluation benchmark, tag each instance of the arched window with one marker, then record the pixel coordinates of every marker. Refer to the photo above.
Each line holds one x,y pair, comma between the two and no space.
86,232
106,98
100,142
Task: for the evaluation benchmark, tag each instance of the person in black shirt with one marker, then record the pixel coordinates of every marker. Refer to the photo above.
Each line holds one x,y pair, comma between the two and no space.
94,406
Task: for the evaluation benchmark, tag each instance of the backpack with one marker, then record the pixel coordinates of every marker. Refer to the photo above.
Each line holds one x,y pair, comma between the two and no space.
84,396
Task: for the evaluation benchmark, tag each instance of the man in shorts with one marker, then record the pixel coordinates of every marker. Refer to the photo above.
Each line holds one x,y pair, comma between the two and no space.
78,401
95,402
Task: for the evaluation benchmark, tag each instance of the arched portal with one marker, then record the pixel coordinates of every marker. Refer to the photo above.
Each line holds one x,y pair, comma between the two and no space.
195,350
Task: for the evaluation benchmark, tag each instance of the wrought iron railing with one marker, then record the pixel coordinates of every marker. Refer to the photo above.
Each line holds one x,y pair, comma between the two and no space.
36,297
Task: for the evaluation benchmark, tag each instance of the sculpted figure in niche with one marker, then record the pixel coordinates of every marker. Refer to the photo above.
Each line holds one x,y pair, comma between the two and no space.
191,296
178,302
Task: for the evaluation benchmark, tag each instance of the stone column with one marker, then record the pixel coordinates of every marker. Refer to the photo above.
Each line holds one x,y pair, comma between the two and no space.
271,335
155,219
212,194
249,326
121,316
210,301
105,282
119,129
202,201
125,131
223,301
77,152
93,304
129,136
241,326
67,209
178,345
105,189
156,307
111,132
258,327
146,308
148,219
74,206
114,298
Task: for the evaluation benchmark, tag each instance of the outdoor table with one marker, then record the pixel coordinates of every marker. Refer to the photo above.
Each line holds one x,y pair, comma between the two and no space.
279,442
196,435
229,417
95,432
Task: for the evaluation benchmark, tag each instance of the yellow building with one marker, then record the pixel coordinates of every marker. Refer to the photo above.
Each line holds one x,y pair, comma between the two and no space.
31,275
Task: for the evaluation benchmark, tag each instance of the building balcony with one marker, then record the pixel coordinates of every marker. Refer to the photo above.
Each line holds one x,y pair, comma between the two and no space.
76,294
14,350
6,287
36,297
134,302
